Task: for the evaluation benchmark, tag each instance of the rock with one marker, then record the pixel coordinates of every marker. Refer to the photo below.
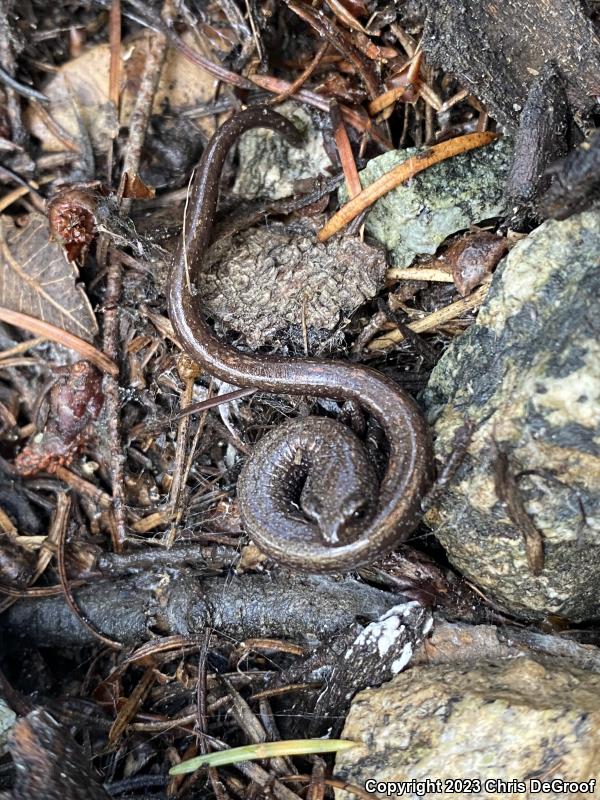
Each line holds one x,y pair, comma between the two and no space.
527,375
269,165
273,284
417,216
513,721
7,721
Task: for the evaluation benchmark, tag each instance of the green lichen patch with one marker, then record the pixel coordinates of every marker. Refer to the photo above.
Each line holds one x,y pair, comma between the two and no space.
416,217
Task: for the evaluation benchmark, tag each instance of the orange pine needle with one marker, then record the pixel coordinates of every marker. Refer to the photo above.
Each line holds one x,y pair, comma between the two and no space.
344,147
399,174
60,336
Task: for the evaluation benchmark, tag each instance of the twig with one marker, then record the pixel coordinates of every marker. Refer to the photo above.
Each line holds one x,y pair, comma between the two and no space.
211,402
407,169
60,336
362,123
114,36
322,25
83,487
46,551
388,98
7,62
32,186
114,75
22,88
189,371
137,131
302,78
418,274
63,507
56,129
130,707
13,196
342,13
434,320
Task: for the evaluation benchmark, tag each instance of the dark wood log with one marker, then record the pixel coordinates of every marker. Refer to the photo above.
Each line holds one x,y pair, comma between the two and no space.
496,49
131,610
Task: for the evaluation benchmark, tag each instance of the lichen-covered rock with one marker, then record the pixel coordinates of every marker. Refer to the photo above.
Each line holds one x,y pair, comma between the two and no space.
514,720
269,165
418,215
527,376
7,721
277,283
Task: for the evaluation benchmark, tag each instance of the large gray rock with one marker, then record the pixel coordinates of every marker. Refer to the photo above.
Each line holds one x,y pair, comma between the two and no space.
415,217
527,375
7,721
513,720
269,166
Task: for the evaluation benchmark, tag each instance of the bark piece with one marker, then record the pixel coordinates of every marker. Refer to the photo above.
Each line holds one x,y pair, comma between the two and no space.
50,764
497,49
378,652
577,181
541,139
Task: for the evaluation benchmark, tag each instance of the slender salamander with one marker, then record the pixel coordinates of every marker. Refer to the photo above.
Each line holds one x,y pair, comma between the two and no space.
308,495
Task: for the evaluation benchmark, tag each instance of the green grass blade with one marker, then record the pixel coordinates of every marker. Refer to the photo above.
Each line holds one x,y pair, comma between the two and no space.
250,752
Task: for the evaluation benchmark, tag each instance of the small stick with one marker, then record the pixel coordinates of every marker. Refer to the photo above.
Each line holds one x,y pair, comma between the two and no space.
323,26
138,125
56,129
361,122
388,98
431,321
418,274
189,371
21,348
114,74
63,509
82,486
301,79
60,336
211,402
407,169
22,88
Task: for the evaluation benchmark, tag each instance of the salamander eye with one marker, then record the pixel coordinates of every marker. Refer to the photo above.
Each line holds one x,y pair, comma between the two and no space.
355,509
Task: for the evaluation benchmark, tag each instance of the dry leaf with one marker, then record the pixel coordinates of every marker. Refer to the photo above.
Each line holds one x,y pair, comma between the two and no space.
136,189
78,93
473,258
37,279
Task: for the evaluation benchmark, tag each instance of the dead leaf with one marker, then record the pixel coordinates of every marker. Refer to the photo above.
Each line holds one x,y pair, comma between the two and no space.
79,97
473,258
136,189
37,279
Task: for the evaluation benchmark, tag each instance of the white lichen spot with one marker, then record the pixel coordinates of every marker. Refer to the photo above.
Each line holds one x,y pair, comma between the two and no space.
428,626
405,656
384,633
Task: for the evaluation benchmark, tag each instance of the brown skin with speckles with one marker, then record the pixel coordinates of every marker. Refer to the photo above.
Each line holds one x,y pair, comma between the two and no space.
342,530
